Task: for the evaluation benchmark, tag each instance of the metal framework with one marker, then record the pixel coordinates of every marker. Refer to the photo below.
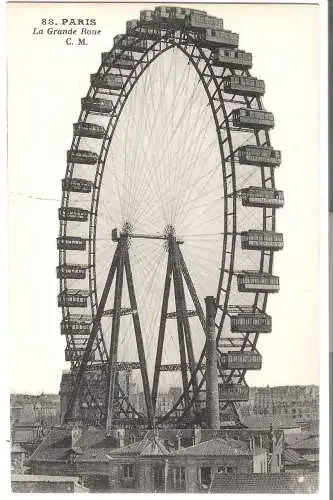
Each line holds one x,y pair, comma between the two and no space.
142,44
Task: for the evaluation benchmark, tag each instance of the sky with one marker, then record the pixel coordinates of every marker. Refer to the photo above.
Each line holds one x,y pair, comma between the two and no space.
46,80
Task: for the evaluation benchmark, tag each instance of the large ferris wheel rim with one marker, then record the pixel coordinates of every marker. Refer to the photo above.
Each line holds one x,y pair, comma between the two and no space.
169,42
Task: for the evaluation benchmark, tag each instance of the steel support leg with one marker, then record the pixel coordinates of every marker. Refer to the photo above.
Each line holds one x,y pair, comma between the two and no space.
192,291
161,332
93,333
138,336
186,325
115,336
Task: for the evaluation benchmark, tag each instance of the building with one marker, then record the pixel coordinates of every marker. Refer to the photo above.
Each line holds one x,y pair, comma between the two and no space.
300,403
199,463
288,425
31,411
151,461
271,440
28,483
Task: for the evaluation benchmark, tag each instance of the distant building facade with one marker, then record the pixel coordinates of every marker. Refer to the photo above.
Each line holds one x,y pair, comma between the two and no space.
300,403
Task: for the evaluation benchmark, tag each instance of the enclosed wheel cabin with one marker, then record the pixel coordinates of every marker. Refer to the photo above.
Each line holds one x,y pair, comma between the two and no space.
261,240
233,392
72,271
243,85
252,118
254,281
262,197
259,155
251,323
147,16
73,298
202,20
107,81
92,130
131,43
118,59
76,185
214,37
77,354
97,105
71,243
82,156
242,360
73,214
76,325
232,58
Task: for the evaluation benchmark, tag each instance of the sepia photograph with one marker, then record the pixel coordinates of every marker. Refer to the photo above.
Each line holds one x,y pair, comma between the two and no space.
164,187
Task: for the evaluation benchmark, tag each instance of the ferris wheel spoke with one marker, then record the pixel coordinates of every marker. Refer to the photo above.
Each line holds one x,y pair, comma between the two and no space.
209,195
192,185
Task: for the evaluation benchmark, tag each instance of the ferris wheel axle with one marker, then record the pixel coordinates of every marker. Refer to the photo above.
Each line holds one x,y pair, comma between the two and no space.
117,234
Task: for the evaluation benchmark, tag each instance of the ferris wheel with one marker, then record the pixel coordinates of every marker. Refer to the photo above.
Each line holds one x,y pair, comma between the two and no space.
169,196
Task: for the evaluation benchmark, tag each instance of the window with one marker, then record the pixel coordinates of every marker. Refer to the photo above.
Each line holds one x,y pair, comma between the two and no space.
128,471
205,476
179,477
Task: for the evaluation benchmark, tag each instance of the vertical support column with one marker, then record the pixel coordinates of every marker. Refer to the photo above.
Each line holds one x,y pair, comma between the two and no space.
192,291
161,332
91,340
179,315
115,336
185,321
212,396
138,336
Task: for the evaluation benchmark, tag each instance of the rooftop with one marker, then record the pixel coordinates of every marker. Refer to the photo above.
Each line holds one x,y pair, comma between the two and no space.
302,441
93,445
215,447
40,478
149,445
266,483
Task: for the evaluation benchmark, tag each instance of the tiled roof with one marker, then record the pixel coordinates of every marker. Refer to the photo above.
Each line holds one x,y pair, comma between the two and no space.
54,446
93,445
240,434
265,483
291,457
303,441
149,445
215,447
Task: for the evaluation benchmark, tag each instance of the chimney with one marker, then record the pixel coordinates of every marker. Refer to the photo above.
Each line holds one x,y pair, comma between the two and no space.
272,439
121,437
76,433
196,435
212,395
179,436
